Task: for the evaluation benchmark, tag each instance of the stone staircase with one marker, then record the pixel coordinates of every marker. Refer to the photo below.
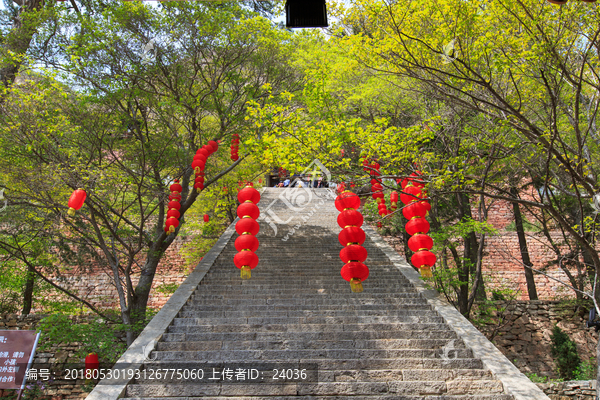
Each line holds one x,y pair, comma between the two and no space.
296,312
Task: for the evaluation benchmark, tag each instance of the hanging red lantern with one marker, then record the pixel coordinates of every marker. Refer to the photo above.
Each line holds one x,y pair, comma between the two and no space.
350,217
245,261
175,196
246,242
199,185
171,225
214,145
176,187
354,252
411,193
351,235
347,200
355,273
174,204
259,180
206,218
424,260
173,213
203,152
417,225
76,201
248,209
376,187
248,194
419,242
92,364
412,181
247,225
198,165
417,209
394,197
235,140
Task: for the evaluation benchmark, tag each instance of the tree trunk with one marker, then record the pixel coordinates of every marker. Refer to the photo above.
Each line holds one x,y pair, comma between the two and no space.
17,42
28,292
531,290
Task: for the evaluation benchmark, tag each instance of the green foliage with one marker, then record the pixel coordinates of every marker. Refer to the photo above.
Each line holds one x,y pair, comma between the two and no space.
167,288
96,336
586,371
535,378
564,351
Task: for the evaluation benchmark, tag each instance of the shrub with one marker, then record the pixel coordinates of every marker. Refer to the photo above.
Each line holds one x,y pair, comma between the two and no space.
564,351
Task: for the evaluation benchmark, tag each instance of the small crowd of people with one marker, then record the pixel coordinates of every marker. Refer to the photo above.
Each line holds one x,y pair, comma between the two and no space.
303,181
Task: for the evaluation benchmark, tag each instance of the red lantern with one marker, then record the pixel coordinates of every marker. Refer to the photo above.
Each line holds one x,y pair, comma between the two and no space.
214,145
347,200
411,193
259,180
394,197
175,196
355,273
351,235
424,260
198,166
246,242
417,225
420,242
350,218
176,187
203,152
173,213
410,181
416,209
206,218
248,194
245,261
248,210
247,225
76,201
91,365
199,185
171,225
174,205
376,187
354,252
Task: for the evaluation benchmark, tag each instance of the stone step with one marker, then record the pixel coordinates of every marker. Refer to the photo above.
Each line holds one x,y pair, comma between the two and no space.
244,313
228,327
413,388
366,397
398,300
303,296
310,336
300,354
407,304
288,344
416,364
345,320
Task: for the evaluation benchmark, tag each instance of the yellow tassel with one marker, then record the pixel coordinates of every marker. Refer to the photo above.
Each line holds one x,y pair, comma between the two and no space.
356,285
245,272
425,271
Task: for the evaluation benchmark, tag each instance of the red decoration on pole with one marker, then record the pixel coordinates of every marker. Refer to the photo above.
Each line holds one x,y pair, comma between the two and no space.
247,227
351,237
417,226
206,218
76,201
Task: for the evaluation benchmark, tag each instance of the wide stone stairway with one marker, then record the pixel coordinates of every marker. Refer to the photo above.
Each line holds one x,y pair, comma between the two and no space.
297,315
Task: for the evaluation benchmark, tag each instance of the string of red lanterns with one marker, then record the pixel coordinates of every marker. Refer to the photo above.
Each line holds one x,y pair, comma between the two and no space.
76,201
235,146
199,162
394,200
174,205
417,226
246,244
352,237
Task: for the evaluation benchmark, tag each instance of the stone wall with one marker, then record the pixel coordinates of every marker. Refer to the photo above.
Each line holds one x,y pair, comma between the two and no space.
522,332
571,390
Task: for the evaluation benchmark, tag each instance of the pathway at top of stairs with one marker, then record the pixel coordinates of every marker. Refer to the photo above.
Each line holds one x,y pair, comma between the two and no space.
297,312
